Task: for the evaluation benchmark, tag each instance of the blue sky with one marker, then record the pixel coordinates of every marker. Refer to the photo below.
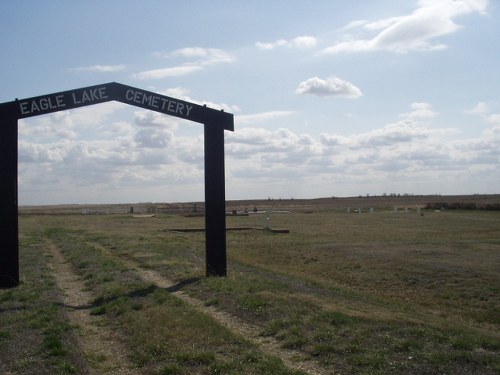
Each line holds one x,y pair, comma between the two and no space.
331,98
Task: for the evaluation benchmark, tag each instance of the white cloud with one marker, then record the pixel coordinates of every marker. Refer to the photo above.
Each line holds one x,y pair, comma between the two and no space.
249,136
176,92
304,42
153,138
271,45
277,149
139,158
354,24
100,68
148,119
484,109
333,140
183,94
332,86
219,106
391,135
168,72
198,59
205,56
300,42
136,161
480,108
494,119
420,111
409,154
414,32
68,124
410,129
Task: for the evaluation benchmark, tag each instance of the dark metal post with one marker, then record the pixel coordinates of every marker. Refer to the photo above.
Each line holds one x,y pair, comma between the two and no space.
9,241
215,202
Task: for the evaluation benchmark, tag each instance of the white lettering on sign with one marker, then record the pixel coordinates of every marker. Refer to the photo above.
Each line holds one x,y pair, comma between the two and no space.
58,102
42,104
90,95
154,101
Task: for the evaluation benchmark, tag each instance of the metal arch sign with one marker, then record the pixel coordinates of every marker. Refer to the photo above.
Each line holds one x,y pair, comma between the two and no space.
215,122
85,96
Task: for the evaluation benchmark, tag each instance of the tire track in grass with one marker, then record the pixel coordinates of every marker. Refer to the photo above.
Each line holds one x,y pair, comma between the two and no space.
101,347
293,359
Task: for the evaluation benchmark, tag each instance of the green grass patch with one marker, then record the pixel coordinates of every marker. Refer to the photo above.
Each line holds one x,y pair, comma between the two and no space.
35,333
53,345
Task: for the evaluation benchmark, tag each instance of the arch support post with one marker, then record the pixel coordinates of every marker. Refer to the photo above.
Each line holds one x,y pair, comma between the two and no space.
215,201
214,121
9,240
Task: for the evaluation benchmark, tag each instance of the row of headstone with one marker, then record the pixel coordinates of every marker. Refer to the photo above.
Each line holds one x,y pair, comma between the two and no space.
396,209
372,210
360,210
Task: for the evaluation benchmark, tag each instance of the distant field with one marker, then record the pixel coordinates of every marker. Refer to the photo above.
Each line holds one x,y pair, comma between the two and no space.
343,293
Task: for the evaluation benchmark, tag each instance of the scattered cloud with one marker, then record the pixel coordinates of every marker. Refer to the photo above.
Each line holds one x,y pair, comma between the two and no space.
153,138
198,59
480,108
413,32
151,119
204,56
176,92
484,109
493,119
420,111
318,142
183,94
392,134
408,150
304,42
271,45
136,159
300,42
100,68
149,152
354,24
68,124
332,86
168,72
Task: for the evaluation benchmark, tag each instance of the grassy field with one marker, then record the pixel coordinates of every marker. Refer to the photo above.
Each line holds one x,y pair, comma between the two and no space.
345,293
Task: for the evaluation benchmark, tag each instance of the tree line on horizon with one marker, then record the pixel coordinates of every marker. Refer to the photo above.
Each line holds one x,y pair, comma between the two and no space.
463,206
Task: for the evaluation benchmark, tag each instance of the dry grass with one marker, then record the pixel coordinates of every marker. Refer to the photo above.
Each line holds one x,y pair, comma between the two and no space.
381,293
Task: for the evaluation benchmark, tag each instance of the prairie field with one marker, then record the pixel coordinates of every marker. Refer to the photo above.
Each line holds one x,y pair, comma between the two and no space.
382,292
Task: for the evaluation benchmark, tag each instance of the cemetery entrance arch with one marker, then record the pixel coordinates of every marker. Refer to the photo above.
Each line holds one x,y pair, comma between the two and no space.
215,122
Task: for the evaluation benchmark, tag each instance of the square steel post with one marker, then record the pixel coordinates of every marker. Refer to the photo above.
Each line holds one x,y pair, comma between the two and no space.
9,240
215,202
